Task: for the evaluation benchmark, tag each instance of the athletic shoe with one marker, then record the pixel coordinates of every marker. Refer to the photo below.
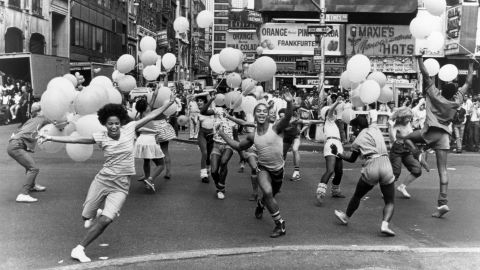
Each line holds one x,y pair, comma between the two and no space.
337,193
441,210
387,232
403,189
78,253
38,188
253,197
321,191
149,184
25,198
342,217
205,180
279,229
259,210
141,179
220,195
296,178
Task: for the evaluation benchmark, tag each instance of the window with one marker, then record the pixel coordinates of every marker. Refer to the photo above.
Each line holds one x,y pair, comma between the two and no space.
219,37
14,3
37,7
99,40
221,27
221,21
77,33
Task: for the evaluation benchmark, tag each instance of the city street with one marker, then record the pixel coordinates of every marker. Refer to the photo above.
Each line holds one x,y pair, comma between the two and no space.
183,225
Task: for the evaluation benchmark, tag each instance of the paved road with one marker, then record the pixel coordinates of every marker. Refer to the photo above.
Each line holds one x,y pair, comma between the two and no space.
184,214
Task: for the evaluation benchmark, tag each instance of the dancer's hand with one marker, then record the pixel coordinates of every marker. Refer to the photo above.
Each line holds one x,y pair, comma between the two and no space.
334,149
41,138
173,96
287,96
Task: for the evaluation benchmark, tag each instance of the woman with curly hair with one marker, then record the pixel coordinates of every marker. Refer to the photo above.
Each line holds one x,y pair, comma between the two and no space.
111,184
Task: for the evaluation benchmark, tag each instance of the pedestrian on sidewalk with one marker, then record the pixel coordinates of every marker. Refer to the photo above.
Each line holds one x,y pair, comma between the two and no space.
369,144
111,184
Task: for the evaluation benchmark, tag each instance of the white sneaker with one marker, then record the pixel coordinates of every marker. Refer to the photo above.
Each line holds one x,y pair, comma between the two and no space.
220,195
321,192
403,189
441,210
78,253
25,198
38,188
342,217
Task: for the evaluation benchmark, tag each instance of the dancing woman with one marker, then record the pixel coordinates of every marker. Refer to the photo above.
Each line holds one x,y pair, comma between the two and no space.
111,184
268,142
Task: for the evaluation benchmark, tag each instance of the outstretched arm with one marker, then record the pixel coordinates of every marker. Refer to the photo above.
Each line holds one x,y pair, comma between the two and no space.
352,158
469,80
65,139
239,146
285,121
308,122
155,113
332,109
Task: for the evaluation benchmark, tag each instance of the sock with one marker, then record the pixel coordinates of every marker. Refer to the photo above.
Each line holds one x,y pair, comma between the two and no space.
384,225
203,173
442,199
402,186
336,187
277,217
296,171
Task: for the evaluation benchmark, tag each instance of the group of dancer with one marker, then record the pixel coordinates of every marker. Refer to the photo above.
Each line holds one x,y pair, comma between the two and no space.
270,136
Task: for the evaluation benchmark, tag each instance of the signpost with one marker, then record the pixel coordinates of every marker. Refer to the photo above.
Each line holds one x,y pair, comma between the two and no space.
320,29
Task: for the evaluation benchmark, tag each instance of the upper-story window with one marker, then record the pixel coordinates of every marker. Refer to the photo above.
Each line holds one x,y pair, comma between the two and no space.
14,3
37,7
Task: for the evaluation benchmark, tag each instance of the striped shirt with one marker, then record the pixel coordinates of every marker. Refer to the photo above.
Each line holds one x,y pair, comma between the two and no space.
119,153
227,126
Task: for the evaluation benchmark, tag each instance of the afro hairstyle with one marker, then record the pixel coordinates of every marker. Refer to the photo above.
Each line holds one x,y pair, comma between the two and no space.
360,121
141,105
113,110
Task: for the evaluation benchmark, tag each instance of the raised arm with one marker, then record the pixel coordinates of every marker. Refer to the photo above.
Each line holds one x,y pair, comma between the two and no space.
285,121
155,113
206,109
240,122
334,106
239,146
65,139
427,80
469,80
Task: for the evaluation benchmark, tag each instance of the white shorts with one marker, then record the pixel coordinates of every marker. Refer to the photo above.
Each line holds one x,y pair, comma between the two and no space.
327,151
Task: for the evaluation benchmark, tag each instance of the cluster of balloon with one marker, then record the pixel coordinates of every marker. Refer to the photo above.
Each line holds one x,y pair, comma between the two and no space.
149,58
230,58
263,69
427,27
233,99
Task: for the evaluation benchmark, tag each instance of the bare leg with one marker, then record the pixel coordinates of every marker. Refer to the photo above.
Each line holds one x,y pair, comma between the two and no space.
360,191
442,173
96,230
168,164
388,192
146,168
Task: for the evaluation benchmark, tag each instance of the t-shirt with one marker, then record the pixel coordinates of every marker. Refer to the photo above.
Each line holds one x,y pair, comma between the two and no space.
370,142
330,129
28,132
440,111
119,153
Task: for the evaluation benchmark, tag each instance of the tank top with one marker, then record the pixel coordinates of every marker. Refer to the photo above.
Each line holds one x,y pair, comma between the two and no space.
330,129
206,121
269,148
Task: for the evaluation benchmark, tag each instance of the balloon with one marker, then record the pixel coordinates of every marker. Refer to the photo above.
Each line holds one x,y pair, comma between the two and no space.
435,42
64,85
181,24
248,85
233,99
229,58
432,66
357,102
205,19
264,69
358,68
379,77
234,80
369,91
345,83
148,43
264,44
55,105
102,81
68,129
71,78
435,7
219,100
259,50
50,147
89,124
148,57
386,94
114,96
117,75
248,104
421,27
215,64
125,63
169,60
348,115
258,92
151,73
182,121
90,99
79,152
448,73
163,95
171,110
127,83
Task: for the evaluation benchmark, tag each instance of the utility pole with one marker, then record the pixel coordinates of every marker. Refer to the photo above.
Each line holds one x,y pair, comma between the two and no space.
321,75
190,66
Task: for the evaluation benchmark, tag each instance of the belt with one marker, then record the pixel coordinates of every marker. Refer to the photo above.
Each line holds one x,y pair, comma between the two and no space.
372,156
333,138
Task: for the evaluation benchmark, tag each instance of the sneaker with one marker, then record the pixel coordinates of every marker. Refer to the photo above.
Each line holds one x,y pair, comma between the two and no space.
259,210
253,197
279,229
403,189
149,184
205,180
296,178
441,210
337,193
342,217
220,195
321,191
25,198
38,188
78,253
387,232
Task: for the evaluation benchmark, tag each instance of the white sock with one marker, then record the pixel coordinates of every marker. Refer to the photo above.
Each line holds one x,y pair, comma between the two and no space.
295,173
203,173
402,186
384,225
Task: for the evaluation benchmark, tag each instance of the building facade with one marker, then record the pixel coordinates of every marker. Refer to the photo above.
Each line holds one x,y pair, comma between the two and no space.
220,26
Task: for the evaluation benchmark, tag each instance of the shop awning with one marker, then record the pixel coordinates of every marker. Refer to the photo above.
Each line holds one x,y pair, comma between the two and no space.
345,6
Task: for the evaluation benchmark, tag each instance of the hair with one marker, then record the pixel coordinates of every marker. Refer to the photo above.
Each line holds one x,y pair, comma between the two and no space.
113,110
449,90
282,110
204,98
141,106
360,121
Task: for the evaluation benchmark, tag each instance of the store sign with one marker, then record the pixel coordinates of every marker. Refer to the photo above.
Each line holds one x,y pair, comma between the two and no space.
338,6
422,43
247,42
162,38
334,65
379,40
460,34
240,20
294,39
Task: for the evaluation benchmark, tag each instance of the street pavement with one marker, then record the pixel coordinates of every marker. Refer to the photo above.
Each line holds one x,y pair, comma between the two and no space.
184,226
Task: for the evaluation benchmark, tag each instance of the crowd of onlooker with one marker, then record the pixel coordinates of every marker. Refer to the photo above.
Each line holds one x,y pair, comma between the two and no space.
15,98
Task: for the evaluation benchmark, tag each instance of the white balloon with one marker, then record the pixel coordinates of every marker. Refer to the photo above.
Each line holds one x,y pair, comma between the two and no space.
50,147
163,95
234,80
348,115
379,77
114,96
171,110
421,27
432,66
345,83
369,91
448,73
71,78
258,92
148,43
148,57
215,64
117,75
181,24
358,68
127,83
63,84
435,7
169,60
219,100
89,124
91,99
205,19
264,69
386,94
125,63
248,85
79,152
55,105
151,73
435,42
248,104
229,58
259,50
102,81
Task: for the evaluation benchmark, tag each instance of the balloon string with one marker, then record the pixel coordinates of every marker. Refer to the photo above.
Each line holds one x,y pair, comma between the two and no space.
220,81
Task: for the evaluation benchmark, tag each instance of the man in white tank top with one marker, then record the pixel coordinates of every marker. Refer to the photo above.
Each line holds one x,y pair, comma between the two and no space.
268,141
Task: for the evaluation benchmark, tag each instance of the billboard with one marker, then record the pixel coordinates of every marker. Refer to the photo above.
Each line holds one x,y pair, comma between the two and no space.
293,39
461,23
379,40
245,41
336,6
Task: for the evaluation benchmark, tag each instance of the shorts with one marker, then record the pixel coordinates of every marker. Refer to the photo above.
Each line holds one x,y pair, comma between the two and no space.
327,151
378,171
437,138
276,176
107,191
400,153
165,132
220,148
250,152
